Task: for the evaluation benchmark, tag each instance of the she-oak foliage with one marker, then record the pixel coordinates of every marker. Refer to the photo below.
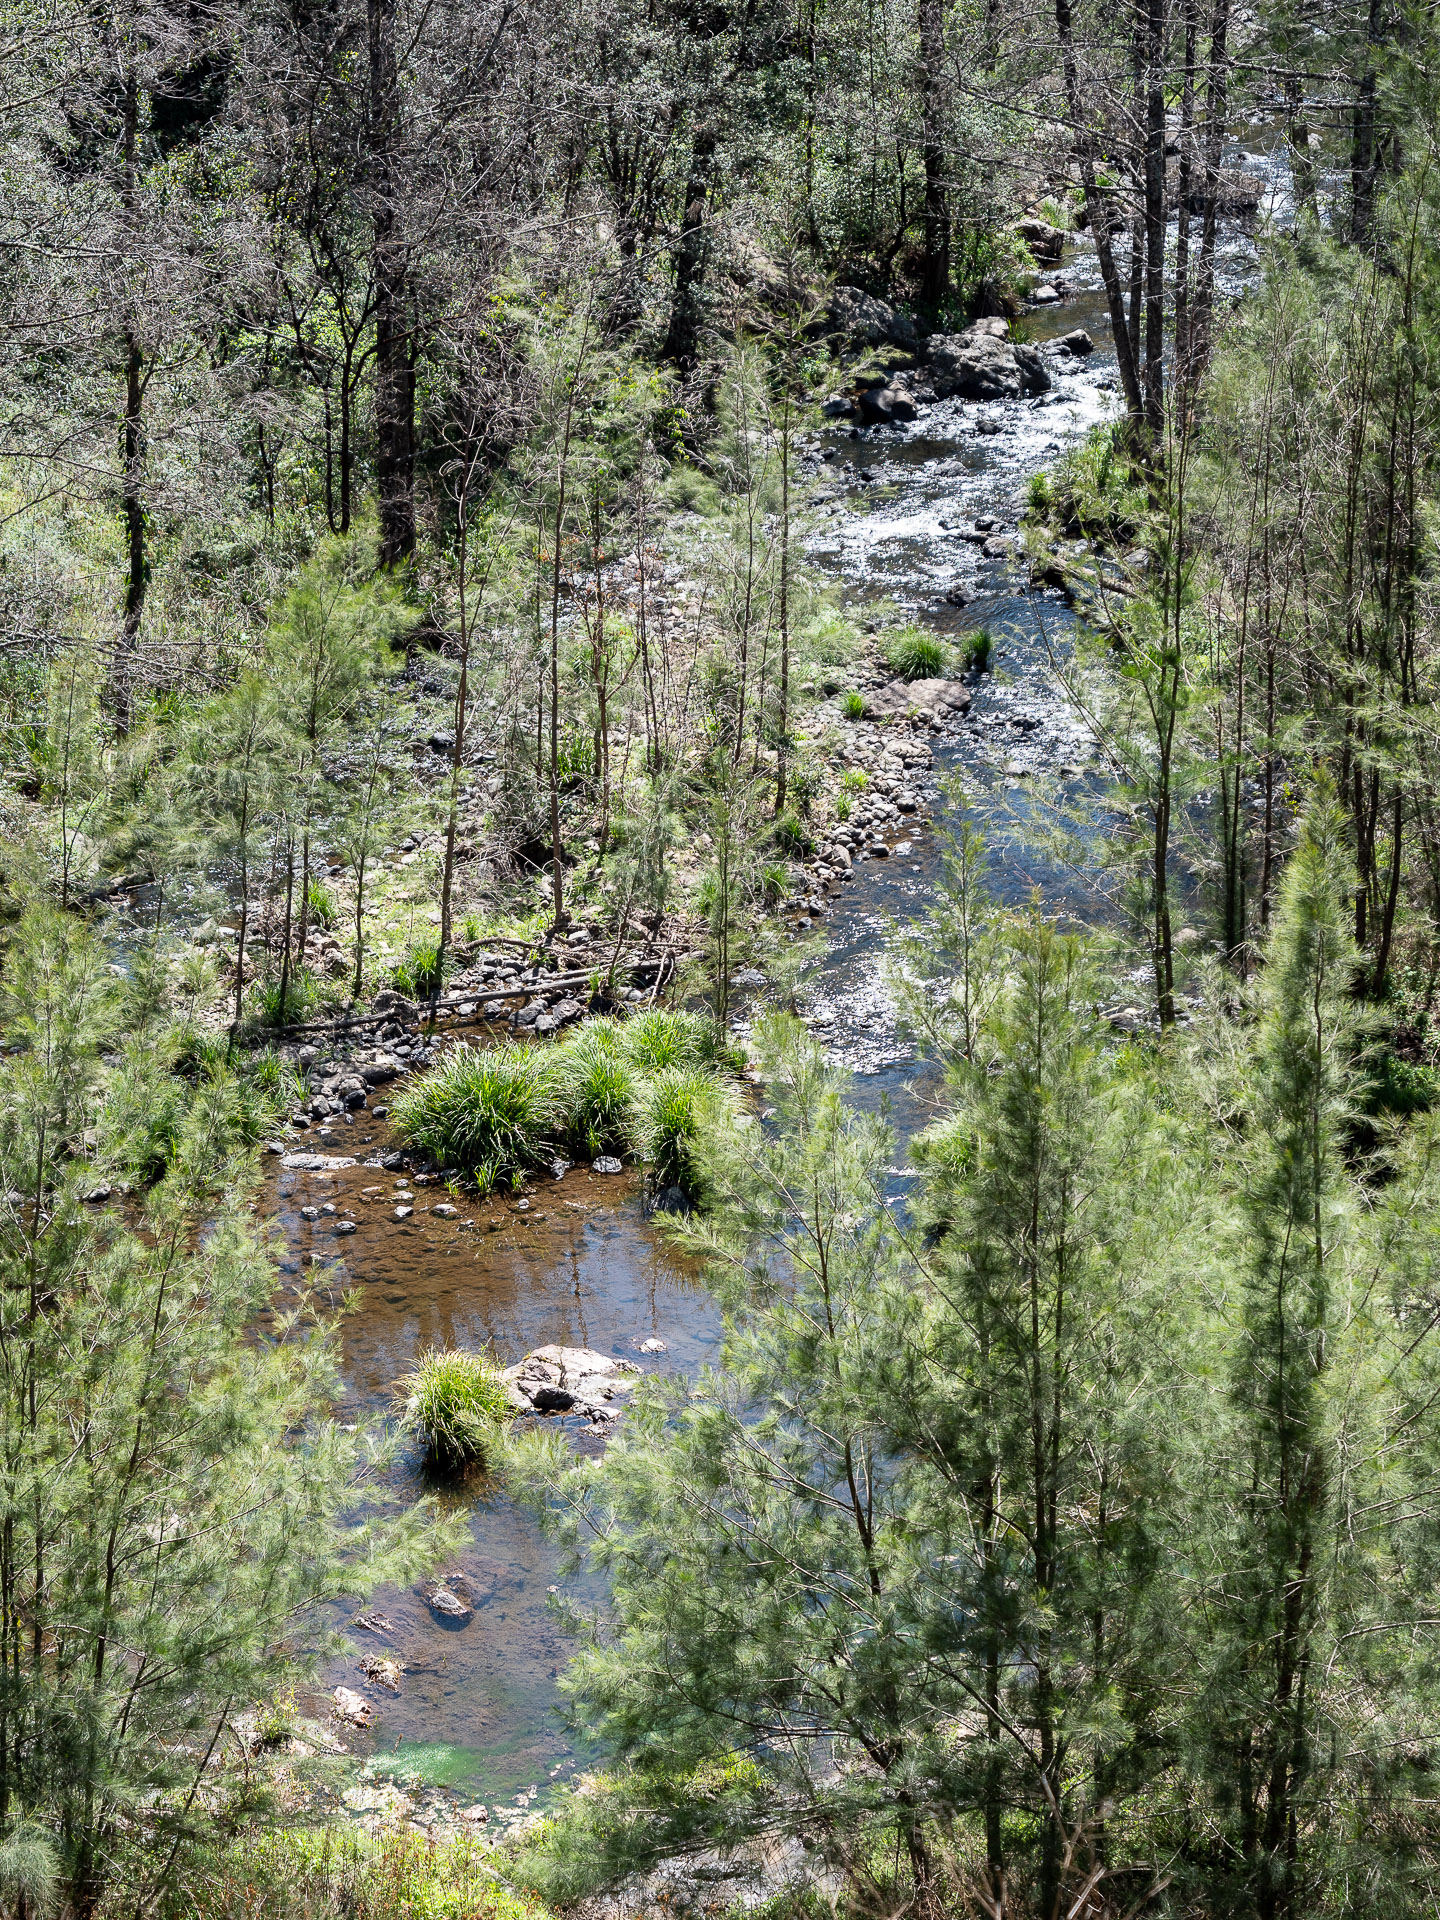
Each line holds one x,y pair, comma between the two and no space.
174,1492
1070,1533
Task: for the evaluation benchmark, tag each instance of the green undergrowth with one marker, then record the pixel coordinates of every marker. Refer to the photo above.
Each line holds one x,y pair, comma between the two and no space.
642,1086
916,656
330,1874
1094,493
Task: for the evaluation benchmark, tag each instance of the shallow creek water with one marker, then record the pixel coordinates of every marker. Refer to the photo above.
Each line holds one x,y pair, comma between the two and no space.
582,1265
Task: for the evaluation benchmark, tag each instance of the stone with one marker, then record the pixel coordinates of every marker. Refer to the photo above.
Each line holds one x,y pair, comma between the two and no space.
383,1669
838,407
671,1200
403,1213
606,1163
316,1162
441,743
448,1605
1077,341
1043,240
351,1707
653,1345
868,321
377,1073
446,1211
1044,295
343,1227
929,699
880,406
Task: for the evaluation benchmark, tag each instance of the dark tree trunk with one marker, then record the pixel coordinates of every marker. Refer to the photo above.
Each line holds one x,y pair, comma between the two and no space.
935,278
687,307
394,374
1155,215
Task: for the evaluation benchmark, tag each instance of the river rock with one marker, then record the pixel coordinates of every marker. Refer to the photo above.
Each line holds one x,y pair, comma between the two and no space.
555,1379
606,1163
1044,295
315,1162
868,321
881,406
983,363
1043,240
1077,341
447,1605
351,1707
933,700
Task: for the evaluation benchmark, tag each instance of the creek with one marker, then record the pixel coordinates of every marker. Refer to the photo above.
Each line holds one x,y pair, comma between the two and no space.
580,1264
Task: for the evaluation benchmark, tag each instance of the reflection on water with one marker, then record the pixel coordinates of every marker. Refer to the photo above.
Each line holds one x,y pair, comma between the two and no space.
580,1265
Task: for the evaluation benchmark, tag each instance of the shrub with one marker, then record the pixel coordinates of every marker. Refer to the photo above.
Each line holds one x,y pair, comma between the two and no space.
661,1037
977,651
493,1112
1038,496
672,1110
853,706
596,1087
774,885
322,1873
915,656
300,999
856,780
456,1402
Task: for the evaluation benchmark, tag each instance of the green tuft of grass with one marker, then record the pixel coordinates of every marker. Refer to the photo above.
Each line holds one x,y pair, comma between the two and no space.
915,656
853,706
977,650
791,837
855,780
319,903
671,1116
596,1087
492,1112
663,1037
456,1403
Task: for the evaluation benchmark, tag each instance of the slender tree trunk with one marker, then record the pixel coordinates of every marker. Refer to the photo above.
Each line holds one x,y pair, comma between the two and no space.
935,273
682,339
394,371
1155,24
1097,207
132,449
1217,95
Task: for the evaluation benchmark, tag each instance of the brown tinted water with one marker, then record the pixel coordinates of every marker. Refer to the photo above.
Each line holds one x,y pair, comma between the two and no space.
581,1265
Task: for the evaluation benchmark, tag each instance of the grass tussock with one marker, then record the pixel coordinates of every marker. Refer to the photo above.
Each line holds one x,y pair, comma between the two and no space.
641,1087
916,656
456,1403
494,1111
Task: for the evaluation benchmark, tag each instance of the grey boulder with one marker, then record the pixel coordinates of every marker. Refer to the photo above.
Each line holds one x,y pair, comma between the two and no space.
983,363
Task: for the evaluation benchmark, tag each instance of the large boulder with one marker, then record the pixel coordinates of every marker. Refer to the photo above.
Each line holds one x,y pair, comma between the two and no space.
1043,240
983,363
555,1379
867,321
933,700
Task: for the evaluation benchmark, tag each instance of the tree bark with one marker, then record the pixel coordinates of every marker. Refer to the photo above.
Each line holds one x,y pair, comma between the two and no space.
394,369
935,275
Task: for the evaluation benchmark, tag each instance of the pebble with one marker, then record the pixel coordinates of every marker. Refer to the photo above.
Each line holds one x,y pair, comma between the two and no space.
606,1163
403,1213
344,1226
